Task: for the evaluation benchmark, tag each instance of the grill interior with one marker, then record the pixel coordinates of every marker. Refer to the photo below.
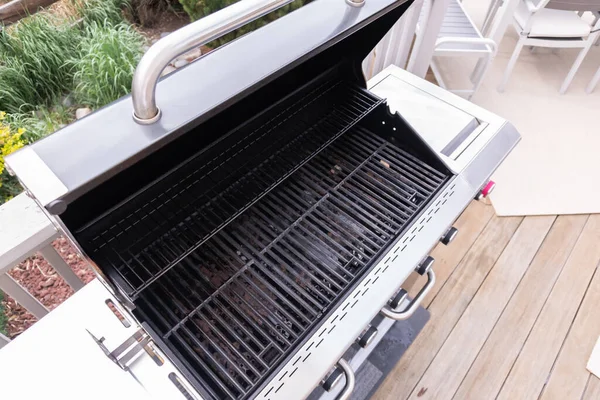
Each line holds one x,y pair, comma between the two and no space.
236,255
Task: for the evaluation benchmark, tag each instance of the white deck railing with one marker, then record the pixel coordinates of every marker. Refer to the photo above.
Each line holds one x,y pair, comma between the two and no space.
25,230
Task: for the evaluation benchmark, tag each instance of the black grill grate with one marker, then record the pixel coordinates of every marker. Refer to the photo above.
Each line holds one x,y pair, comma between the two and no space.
238,304
236,255
150,233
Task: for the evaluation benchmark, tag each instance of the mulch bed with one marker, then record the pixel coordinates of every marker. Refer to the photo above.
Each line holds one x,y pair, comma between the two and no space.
42,281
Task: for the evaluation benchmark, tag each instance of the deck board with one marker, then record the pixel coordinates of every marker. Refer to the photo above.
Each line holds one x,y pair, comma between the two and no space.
455,357
514,314
569,375
534,364
447,307
592,390
470,225
492,365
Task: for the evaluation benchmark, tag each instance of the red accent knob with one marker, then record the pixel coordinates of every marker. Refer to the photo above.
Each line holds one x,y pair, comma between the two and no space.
488,189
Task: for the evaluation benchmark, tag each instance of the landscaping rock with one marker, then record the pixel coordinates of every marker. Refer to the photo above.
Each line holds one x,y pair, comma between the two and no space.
146,48
82,112
164,34
193,54
168,69
180,62
67,101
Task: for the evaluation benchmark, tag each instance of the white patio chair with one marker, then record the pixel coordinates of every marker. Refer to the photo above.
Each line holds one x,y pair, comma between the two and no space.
458,36
554,23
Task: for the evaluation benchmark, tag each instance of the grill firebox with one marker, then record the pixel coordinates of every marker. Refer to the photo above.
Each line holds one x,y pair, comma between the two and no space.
259,225
236,255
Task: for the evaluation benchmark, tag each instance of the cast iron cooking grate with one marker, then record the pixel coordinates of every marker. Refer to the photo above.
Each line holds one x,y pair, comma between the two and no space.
157,228
241,302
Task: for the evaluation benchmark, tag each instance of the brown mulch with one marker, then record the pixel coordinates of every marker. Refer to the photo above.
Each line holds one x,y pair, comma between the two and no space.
166,22
41,280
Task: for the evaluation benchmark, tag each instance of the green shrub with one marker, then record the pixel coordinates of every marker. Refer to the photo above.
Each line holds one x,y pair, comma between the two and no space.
148,13
102,12
106,62
33,62
10,141
92,56
3,318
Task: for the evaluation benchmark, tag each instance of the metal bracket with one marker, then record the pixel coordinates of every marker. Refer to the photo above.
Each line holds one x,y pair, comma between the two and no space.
127,351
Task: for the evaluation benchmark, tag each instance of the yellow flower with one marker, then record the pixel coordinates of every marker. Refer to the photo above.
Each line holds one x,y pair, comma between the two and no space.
9,142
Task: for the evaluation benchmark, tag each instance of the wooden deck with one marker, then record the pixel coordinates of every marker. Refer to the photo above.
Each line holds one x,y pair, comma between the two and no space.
515,313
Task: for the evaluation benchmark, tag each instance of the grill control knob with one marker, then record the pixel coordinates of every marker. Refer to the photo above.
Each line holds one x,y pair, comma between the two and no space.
487,189
333,379
425,265
367,338
398,299
449,236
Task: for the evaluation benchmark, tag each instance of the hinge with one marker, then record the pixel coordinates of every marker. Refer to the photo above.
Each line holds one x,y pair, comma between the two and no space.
127,351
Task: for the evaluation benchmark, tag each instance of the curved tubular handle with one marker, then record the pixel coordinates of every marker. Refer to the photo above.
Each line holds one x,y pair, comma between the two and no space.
414,304
196,34
350,380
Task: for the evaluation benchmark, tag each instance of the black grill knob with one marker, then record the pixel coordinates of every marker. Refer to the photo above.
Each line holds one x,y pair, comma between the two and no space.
367,338
425,265
398,299
449,236
333,379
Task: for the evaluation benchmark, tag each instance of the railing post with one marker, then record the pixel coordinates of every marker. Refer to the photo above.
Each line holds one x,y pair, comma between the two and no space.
63,269
12,288
3,340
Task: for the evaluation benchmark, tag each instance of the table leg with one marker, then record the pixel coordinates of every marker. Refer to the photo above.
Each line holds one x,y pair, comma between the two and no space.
592,85
498,28
430,31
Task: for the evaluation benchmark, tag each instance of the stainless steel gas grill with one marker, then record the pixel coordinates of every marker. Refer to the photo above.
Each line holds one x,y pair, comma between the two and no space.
252,228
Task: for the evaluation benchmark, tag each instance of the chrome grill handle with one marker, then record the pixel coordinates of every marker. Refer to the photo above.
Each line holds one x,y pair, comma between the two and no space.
414,304
205,30
350,380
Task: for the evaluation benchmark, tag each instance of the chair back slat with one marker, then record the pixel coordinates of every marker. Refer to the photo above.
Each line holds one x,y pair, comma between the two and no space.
574,5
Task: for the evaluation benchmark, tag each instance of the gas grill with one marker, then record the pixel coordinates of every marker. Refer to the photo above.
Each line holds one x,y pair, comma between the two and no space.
253,226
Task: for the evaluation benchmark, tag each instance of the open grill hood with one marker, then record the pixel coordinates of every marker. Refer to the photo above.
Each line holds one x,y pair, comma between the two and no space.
215,93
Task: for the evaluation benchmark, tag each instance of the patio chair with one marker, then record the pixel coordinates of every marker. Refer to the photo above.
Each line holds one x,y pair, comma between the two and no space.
458,36
554,23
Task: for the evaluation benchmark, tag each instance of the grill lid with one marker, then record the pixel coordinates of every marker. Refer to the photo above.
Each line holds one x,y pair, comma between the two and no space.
279,57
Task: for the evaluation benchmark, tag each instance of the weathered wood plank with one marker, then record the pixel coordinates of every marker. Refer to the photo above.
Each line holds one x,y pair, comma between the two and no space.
452,362
502,347
533,365
448,306
592,391
470,225
569,375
